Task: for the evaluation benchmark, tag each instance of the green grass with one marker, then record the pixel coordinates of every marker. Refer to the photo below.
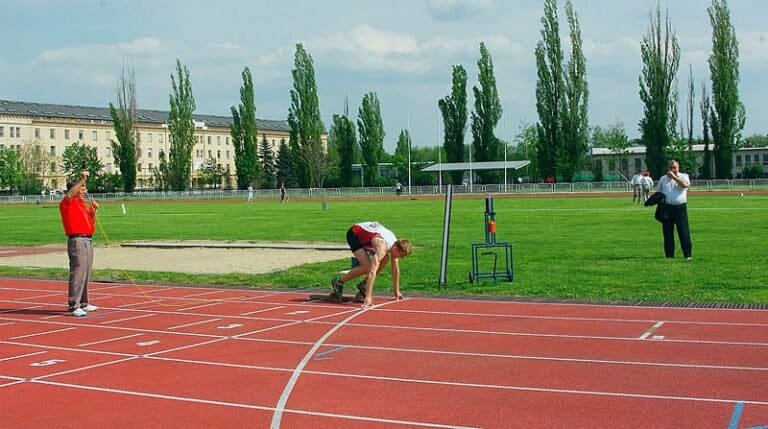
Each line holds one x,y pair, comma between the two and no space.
591,248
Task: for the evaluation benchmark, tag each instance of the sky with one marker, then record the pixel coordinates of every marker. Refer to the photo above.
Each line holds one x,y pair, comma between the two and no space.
73,51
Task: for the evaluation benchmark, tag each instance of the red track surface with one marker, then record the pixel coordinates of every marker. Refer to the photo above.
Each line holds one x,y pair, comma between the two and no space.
176,357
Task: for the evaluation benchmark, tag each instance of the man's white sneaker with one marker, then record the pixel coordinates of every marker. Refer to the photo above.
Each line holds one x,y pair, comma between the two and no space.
78,312
90,308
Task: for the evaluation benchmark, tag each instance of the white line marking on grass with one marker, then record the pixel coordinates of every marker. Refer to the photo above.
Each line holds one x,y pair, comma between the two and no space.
651,330
199,322
109,340
42,333
127,318
262,310
277,416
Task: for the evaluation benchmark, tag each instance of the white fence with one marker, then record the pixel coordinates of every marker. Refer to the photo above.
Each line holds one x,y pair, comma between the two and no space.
524,188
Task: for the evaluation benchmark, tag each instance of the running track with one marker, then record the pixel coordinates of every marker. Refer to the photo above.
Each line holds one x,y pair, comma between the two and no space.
178,357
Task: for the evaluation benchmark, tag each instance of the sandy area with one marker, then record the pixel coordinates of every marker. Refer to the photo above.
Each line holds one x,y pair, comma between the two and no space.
193,260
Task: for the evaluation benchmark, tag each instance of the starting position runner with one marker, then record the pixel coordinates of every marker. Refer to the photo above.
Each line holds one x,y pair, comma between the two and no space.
373,246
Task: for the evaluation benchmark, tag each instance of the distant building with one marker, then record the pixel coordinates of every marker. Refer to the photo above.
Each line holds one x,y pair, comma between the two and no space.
612,163
54,127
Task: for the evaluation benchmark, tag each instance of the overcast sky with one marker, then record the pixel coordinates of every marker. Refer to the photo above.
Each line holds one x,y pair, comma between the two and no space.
72,52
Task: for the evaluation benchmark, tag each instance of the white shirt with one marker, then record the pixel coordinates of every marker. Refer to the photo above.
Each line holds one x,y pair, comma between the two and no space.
647,182
636,179
673,193
384,233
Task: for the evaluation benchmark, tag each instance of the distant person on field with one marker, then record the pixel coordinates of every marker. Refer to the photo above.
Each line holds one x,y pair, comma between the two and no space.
637,193
250,194
674,185
373,245
398,188
79,219
282,193
646,184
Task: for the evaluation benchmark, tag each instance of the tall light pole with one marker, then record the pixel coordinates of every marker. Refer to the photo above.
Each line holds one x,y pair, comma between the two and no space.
408,125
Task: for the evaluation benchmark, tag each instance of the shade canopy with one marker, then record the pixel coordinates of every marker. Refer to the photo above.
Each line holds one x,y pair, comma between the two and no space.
466,166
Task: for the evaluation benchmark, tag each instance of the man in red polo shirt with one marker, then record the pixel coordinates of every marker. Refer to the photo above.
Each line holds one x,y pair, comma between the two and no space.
79,219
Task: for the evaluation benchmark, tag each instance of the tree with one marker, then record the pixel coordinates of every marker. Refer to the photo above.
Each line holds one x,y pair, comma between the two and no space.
11,170
344,138
486,115
181,128
211,173
284,166
660,53
706,168
125,150
550,86
79,154
267,164
727,114
244,134
454,110
615,139
402,159
575,118
160,173
524,147
371,129
305,122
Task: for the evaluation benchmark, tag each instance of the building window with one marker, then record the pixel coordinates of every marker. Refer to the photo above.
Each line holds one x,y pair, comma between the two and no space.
108,152
53,150
738,160
149,153
149,137
218,154
209,139
66,134
81,135
37,133
138,167
18,132
149,167
13,134
227,141
53,133
218,140
210,156
53,167
94,135
2,131
637,164
765,159
227,154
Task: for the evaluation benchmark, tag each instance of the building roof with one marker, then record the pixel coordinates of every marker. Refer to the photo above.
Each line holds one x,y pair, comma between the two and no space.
65,111
488,165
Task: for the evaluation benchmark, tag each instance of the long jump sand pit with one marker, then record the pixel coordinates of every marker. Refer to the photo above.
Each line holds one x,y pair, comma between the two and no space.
193,257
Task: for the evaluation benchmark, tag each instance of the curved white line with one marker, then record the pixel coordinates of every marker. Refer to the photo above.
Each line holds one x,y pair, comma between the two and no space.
277,416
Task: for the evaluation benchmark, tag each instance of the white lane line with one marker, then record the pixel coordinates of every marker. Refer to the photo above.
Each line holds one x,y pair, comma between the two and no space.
109,340
127,318
7,323
200,322
22,356
262,310
651,330
250,406
42,333
14,310
200,306
277,416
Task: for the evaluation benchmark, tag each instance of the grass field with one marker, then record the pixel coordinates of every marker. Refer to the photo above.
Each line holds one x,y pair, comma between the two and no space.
588,248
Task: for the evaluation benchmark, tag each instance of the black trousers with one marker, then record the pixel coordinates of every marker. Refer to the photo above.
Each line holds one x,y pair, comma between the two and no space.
678,219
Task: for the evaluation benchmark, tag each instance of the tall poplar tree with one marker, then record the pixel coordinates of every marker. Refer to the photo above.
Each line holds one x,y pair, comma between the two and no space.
550,87
486,115
244,133
124,150
371,129
575,119
705,105
660,53
345,139
727,114
181,127
305,122
454,110
267,156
